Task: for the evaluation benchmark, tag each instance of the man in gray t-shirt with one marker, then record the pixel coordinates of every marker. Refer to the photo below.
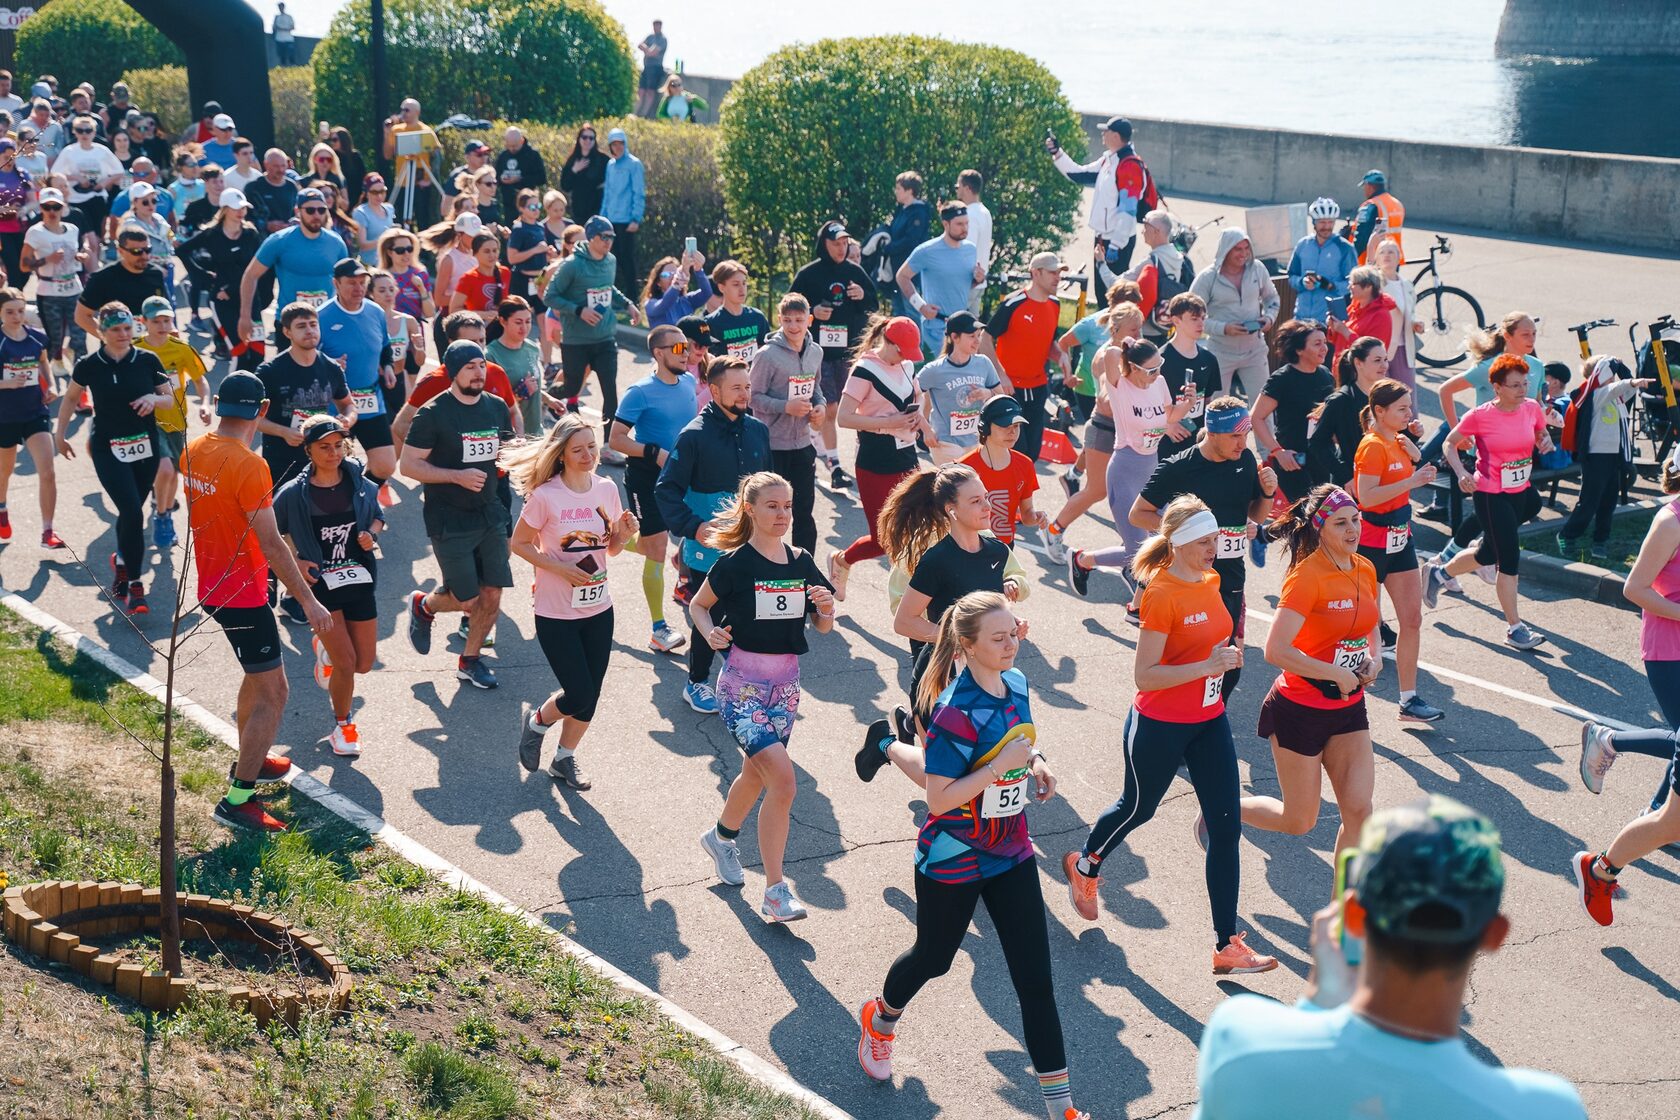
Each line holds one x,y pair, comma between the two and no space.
954,386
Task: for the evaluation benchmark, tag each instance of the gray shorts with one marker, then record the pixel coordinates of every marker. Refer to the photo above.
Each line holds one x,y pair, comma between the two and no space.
174,444
1099,434
473,552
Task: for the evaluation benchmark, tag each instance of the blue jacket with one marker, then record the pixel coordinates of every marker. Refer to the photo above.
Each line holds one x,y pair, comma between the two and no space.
703,471
624,194
291,509
673,305
1333,260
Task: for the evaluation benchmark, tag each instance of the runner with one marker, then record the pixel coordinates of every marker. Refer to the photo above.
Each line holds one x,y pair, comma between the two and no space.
126,385
185,368
407,340
1186,360
1021,338
583,295
353,334
737,330
1088,484
1184,650
331,514
954,386
216,258
26,389
650,417
1514,334
464,326
521,360
482,287
1325,640
53,251
451,244
298,383
1385,474
1293,391
1008,475
936,530
571,523
947,267
786,396
982,768
702,474
764,590
841,295
1653,585
302,257
1506,431
230,519
880,403
451,451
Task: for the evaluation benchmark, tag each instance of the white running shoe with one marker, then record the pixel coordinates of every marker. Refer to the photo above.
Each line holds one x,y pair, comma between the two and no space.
780,905
323,663
1054,546
726,857
345,742
1598,754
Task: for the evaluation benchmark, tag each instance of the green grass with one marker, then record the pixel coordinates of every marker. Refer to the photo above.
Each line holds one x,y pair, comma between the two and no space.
460,1010
1627,532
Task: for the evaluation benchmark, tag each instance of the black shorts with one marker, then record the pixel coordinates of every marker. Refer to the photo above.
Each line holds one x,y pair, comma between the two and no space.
639,480
356,604
396,395
1305,730
253,634
16,432
653,77
1388,563
833,378
373,432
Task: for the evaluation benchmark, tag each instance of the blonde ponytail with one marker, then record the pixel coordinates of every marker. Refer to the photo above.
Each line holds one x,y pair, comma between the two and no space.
959,626
1154,556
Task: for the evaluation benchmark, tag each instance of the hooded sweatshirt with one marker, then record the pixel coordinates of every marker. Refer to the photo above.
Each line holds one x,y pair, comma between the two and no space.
712,455
1254,298
582,281
624,194
773,367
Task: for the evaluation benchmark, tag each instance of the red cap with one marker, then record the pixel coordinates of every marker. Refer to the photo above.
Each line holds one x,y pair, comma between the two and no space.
906,335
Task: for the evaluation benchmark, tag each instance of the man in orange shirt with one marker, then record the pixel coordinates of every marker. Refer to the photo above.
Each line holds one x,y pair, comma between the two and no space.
1020,340
230,520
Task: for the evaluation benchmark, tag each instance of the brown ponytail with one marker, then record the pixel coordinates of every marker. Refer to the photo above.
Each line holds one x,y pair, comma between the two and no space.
1134,352
1295,528
1383,394
874,333
1357,351
913,518
959,626
1488,343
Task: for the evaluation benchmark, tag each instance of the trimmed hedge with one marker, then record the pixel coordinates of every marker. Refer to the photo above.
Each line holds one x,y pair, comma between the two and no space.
683,194
91,40
163,90
547,60
821,130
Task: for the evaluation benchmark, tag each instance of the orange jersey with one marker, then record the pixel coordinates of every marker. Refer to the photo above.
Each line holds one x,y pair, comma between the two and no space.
1193,617
1340,611
1387,462
226,483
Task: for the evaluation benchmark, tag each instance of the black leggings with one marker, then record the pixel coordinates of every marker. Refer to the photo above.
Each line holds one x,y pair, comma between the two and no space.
127,485
247,356
1154,751
1236,606
1016,906
1500,514
11,255
577,650
799,467
1471,527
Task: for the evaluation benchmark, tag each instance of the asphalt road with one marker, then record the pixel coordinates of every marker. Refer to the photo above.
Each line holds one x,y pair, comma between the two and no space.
619,867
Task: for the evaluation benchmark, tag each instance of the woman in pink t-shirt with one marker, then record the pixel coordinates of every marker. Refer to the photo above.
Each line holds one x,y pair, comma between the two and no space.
571,523
1506,431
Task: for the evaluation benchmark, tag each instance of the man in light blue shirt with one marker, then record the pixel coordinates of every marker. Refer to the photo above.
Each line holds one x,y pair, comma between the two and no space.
1380,1040
302,257
1322,263
946,270
624,202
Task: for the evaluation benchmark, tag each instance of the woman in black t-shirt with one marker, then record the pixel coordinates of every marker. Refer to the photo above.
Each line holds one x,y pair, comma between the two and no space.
1291,393
762,590
126,384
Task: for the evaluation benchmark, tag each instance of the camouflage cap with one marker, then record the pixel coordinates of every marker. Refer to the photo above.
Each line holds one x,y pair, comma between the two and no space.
1429,871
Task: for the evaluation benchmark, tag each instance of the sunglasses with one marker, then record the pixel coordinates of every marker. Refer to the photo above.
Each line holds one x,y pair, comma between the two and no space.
51,206
143,251
84,132
533,207
680,349
401,249
145,202
312,209
666,275
586,136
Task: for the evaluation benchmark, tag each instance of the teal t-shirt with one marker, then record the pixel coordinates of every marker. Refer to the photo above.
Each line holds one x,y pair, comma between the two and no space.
1090,337
524,370
1478,376
1262,1059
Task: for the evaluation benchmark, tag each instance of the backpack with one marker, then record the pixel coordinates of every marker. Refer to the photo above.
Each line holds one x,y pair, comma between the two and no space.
1151,197
1166,287
1570,435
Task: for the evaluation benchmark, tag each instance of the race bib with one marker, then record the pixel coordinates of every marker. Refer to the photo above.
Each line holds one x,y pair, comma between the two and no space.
1351,654
132,449
1514,475
300,417
65,286
742,350
1152,440
1199,407
1005,797
399,350
802,388
965,422
598,299
830,337
314,299
480,447
1397,538
778,598
591,594
345,573
1233,544
20,375
365,403
1212,689
259,333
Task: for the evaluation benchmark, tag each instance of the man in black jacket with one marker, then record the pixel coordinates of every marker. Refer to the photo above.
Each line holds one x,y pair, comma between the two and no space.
518,166
842,297
908,229
714,452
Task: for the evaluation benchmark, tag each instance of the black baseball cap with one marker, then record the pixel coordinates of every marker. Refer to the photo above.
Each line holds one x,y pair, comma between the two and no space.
1001,411
476,146
697,329
833,231
962,322
240,396
350,266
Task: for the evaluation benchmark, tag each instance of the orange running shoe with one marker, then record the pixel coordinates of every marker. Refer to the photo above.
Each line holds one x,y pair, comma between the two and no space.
874,1048
1082,888
1238,957
1595,893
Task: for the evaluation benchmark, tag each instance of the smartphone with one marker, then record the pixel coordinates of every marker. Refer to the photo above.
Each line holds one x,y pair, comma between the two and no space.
325,130
1338,306
1353,948
689,246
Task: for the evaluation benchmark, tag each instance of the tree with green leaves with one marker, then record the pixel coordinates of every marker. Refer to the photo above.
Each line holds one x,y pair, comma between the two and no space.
820,131
95,40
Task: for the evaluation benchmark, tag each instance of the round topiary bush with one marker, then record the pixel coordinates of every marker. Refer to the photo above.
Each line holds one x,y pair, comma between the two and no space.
92,40
820,131
547,60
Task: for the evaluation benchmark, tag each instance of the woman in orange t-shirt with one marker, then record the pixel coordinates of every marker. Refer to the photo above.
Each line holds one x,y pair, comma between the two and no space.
1384,476
1178,719
1326,642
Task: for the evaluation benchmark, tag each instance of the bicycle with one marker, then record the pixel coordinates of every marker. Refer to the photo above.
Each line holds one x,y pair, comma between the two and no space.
1448,313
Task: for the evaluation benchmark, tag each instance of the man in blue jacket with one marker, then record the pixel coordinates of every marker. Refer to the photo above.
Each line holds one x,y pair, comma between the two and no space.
714,452
624,202
1319,269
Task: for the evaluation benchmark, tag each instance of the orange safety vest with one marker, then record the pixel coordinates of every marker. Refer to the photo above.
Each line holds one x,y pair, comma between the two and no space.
1390,217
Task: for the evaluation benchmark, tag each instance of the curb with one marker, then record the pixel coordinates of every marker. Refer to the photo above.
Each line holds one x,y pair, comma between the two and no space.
1586,581
751,1064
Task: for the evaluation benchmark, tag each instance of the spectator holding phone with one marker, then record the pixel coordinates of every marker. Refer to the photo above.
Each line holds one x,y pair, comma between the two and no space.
1371,312
1381,1037
1242,303
1320,266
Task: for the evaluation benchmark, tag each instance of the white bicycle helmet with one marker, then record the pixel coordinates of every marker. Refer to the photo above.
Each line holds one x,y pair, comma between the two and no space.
1321,208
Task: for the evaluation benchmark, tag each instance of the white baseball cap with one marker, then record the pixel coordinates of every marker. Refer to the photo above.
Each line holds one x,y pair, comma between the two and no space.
51,194
234,199
221,120
141,190
469,223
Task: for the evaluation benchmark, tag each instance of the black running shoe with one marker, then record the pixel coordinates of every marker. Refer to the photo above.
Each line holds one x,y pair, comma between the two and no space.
870,757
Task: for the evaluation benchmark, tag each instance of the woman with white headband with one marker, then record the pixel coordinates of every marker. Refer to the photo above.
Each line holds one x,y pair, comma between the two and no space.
1178,719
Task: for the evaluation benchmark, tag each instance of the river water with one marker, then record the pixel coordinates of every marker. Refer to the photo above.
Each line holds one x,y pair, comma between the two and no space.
1419,69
